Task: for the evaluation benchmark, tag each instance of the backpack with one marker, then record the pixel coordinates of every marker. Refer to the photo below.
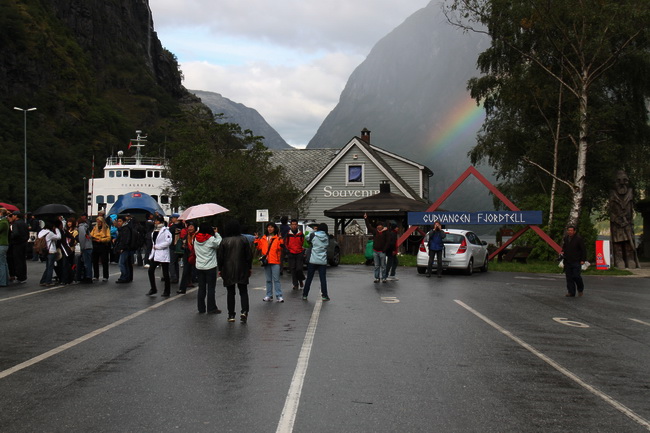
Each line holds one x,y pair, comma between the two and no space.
40,246
137,237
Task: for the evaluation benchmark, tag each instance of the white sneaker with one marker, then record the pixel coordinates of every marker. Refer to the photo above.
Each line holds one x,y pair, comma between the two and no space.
145,266
280,299
267,299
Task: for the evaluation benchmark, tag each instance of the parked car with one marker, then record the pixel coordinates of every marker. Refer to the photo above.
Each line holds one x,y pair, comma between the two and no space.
463,250
333,249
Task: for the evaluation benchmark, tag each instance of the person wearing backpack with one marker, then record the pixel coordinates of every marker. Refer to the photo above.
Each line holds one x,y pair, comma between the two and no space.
51,236
86,246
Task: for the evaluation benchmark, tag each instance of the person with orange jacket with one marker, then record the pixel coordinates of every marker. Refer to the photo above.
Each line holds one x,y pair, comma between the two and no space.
270,246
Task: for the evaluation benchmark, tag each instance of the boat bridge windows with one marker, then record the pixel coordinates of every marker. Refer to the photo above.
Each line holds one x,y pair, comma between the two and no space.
135,174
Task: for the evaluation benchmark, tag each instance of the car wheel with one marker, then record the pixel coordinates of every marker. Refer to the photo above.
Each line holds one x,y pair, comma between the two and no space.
421,269
336,258
484,268
470,267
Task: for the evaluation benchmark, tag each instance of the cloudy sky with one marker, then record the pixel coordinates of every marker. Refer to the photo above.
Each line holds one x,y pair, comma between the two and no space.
288,59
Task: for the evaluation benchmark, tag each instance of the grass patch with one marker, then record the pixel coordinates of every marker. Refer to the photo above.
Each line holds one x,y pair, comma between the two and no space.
534,267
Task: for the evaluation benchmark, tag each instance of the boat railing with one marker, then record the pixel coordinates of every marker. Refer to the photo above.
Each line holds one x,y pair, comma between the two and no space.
130,160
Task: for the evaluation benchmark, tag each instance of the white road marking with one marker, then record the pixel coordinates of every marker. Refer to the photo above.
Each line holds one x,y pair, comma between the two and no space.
389,300
618,406
83,338
38,292
537,278
565,321
290,409
640,321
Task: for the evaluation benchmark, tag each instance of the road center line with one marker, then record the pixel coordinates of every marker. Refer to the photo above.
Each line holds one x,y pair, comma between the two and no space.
83,338
640,321
290,409
618,406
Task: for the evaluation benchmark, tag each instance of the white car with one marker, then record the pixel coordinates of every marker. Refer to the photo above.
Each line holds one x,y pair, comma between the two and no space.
463,250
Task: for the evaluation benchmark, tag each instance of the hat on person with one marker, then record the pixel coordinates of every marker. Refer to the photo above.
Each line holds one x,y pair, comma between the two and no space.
175,215
16,212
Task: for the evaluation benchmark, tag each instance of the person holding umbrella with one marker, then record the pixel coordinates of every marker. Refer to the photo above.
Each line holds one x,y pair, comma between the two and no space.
206,242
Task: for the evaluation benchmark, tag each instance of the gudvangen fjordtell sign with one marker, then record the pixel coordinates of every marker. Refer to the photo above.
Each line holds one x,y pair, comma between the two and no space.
524,217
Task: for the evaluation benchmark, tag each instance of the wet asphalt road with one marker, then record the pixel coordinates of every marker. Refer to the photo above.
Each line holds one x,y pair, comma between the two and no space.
490,352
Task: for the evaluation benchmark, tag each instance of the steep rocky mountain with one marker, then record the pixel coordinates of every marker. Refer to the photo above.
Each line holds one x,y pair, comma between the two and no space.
247,118
96,71
411,93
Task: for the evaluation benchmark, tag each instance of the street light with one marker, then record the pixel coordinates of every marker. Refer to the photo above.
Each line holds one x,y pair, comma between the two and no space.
25,129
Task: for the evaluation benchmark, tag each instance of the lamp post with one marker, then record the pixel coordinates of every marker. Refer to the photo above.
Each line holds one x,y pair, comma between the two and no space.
85,196
25,110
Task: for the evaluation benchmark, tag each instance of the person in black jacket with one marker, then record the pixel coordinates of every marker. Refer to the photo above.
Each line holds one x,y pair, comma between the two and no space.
122,249
235,258
381,244
575,255
19,238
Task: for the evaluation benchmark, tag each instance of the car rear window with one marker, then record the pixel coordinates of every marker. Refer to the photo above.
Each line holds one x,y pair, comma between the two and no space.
452,238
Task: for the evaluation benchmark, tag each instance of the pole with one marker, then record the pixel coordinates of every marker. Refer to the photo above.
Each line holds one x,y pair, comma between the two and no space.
25,140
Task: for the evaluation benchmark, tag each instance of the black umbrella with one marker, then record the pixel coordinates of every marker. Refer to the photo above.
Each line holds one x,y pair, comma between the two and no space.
54,209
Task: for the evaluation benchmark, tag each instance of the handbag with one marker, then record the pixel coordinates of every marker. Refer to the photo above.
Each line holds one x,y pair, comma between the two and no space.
264,259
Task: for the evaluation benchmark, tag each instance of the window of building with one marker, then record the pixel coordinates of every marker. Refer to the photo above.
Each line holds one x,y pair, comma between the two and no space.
156,174
354,174
149,173
164,199
110,199
118,173
155,197
125,173
111,173
99,199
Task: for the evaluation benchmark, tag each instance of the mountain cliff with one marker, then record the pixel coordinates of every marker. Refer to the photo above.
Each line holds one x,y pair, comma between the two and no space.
247,118
411,93
96,71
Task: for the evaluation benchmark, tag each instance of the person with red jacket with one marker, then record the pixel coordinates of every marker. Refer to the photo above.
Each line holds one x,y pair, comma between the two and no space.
270,246
293,242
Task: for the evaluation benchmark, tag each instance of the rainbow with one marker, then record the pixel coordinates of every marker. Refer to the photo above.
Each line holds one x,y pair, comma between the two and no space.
460,123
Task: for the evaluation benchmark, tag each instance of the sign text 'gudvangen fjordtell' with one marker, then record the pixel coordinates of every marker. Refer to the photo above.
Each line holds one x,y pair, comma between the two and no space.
525,217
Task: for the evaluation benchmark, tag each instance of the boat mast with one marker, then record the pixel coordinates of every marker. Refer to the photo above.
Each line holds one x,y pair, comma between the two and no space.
138,144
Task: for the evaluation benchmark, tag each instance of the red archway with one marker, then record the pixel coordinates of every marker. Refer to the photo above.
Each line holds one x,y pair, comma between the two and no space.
472,170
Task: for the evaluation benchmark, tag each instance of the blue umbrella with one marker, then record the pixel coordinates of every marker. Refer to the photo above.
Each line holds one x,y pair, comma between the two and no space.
136,202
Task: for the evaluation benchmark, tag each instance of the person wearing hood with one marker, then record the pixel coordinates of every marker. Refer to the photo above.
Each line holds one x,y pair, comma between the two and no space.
270,246
206,243
318,261
381,243
235,258
436,248
161,240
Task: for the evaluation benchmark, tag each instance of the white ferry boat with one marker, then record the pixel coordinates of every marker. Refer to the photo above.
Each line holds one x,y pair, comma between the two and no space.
124,174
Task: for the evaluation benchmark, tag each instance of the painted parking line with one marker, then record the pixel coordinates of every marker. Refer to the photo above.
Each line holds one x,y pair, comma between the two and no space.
38,292
288,417
83,338
640,321
595,391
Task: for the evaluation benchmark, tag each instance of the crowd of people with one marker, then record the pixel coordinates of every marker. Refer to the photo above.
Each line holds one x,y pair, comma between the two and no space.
73,249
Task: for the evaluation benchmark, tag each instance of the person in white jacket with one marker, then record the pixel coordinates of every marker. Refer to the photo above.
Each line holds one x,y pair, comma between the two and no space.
161,240
51,235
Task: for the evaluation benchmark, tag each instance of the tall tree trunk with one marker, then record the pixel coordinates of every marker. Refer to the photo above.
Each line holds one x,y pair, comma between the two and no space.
556,143
581,165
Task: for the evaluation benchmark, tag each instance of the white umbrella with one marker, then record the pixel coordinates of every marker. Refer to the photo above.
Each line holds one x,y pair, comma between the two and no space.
201,210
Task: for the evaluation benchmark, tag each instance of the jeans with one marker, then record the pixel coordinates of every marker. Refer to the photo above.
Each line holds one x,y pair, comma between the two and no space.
152,276
87,256
380,264
391,264
173,265
207,285
243,294
437,255
322,272
272,272
4,267
125,270
188,271
295,267
573,278
49,269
